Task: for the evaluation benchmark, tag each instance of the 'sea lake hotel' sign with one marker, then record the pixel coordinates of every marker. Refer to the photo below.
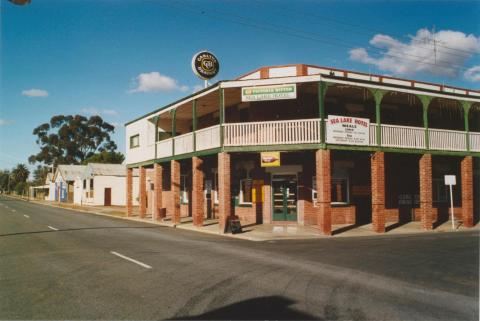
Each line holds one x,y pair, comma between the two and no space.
276,92
348,130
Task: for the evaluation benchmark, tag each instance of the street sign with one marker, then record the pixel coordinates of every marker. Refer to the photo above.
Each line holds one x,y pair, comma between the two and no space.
451,180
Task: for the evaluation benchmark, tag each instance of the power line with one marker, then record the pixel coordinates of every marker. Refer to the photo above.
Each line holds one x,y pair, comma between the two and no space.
324,17
301,34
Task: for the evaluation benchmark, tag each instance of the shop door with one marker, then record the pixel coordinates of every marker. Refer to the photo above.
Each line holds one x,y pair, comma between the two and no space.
284,198
107,200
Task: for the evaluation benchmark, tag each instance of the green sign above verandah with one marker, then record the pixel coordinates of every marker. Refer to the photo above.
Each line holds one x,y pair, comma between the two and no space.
275,92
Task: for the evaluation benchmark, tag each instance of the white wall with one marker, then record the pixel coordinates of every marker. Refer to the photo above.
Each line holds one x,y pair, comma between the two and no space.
146,150
77,191
51,191
118,184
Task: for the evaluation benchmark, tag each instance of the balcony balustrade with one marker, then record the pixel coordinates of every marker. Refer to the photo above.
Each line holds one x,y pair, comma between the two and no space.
307,131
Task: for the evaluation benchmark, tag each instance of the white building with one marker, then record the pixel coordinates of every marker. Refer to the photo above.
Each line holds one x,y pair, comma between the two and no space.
103,185
64,182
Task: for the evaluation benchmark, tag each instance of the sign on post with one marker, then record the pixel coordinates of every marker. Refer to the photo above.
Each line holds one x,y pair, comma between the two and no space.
451,180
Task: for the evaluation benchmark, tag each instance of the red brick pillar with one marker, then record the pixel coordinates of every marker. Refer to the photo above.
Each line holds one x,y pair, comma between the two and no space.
157,193
267,200
378,191
224,192
426,197
143,192
323,178
175,191
467,190
129,191
197,191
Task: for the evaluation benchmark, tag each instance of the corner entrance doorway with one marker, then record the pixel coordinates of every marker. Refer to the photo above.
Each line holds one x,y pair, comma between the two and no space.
284,197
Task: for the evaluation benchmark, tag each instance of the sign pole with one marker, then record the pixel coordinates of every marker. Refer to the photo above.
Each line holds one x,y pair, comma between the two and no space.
451,205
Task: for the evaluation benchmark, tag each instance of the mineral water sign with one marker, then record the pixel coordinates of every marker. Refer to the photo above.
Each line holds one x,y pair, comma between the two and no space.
348,130
276,92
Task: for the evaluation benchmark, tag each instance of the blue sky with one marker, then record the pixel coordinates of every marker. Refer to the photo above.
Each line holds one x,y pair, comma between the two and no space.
123,58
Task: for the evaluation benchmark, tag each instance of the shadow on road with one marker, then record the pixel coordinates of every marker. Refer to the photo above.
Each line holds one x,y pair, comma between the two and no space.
85,228
264,308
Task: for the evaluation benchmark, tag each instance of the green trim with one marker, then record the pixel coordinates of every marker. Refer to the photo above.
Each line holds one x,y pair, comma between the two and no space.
221,111
271,148
145,163
156,136
426,100
322,90
174,129
378,95
206,152
244,205
466,109
402,150
194,123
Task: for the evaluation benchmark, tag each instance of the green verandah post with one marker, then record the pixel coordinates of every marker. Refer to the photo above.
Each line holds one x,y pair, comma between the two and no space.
322,90
378,96
426,100
194,124
466,110
174,129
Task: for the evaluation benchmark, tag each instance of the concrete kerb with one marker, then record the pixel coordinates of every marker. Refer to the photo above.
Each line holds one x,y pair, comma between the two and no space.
245,236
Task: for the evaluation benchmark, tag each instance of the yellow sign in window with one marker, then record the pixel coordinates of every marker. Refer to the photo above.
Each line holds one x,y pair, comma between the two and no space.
270,159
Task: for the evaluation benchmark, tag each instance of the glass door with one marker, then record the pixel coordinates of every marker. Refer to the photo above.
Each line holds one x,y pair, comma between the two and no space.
284,197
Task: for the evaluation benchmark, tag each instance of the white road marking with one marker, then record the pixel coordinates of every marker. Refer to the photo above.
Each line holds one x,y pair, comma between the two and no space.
131,260
52,228
26,215
13,211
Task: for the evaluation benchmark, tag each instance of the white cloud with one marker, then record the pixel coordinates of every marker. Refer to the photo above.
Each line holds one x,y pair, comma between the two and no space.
197,88
99,112
472,74
35,93
453,49
155,82
4,122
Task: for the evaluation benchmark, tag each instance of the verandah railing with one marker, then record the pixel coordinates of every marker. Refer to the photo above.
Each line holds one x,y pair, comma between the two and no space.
307,131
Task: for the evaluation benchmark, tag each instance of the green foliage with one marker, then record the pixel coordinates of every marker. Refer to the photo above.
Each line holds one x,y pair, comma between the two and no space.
72,139
20,173
4,180
40,174
21,188
106,157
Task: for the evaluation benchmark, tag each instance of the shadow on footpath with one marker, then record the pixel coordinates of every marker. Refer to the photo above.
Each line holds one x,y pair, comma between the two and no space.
85,228
264,308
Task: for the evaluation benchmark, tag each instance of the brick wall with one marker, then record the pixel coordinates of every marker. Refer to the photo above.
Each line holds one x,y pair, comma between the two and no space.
343,214
378,192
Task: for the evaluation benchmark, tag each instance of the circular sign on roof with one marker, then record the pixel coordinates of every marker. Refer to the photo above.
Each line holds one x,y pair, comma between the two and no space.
205,65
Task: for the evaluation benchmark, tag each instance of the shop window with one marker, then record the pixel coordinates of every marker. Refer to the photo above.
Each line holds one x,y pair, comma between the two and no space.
245,195
184,189
134,141
440,191
314,190
340,193
215,187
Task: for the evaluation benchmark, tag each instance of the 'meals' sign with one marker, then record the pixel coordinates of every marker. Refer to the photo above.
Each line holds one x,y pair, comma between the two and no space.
348,130
275,92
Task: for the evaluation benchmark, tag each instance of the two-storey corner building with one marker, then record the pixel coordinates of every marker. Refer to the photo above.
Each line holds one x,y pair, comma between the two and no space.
346,148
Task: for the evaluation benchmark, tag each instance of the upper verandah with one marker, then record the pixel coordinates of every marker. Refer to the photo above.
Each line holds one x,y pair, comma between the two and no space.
299,73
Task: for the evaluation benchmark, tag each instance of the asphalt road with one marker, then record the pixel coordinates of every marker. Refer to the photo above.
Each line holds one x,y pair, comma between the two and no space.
60,264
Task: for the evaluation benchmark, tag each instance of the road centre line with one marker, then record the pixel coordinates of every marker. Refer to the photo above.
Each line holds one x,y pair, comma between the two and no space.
131,260
52,228
26,215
